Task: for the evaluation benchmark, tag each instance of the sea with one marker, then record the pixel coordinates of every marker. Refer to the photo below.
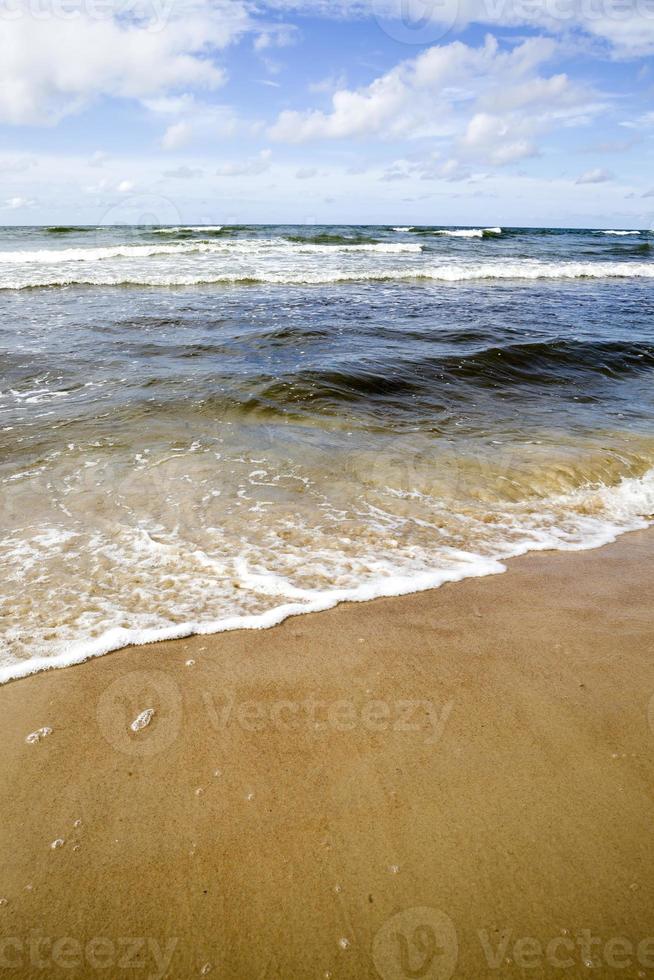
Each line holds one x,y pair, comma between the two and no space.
208,428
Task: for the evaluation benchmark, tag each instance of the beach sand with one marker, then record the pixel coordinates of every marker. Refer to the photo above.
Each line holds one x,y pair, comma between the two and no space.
454,783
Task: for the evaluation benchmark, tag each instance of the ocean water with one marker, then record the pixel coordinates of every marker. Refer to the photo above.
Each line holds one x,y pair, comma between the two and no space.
207,428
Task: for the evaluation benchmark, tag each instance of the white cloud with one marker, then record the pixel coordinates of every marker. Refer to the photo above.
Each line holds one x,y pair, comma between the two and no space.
498,140
177,135
17,203
195,119
277,36
125,186
644,121
490,103
627,26
247,168
427,167
51,66
596,176
56,63
329,85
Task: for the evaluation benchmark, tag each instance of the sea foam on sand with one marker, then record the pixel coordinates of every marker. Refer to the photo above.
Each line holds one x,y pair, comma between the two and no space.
599,515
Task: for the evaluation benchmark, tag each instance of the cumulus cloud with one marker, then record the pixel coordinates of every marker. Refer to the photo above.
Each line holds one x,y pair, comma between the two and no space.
51,66
409,100
497,139
490,103
596,176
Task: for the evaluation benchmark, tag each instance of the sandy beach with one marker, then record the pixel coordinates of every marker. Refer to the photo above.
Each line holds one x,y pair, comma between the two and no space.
326,490
454,783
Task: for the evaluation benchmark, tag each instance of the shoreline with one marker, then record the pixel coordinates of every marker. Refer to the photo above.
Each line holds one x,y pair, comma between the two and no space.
385,786
124,638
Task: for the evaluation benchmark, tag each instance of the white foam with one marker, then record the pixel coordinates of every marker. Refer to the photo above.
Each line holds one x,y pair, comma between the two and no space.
182,228
521,269
55,256
469,232
595,515
614,232
224,247
119,637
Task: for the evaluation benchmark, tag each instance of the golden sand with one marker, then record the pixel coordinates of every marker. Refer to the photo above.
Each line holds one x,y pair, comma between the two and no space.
451,784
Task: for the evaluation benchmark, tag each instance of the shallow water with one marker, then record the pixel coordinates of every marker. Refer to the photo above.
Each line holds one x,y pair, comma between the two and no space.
208,428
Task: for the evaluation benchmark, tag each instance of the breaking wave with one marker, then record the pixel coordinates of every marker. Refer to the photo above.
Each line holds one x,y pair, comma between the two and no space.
521,270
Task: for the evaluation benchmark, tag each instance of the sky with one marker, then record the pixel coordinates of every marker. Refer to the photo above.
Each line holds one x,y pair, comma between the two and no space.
471,112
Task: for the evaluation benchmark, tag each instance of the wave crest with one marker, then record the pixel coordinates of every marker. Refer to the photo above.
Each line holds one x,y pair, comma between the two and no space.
527,270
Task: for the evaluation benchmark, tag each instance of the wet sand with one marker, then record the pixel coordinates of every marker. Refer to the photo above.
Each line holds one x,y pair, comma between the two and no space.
451,784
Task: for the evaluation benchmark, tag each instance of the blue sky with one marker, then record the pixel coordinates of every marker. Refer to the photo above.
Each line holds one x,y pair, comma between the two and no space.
495,112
